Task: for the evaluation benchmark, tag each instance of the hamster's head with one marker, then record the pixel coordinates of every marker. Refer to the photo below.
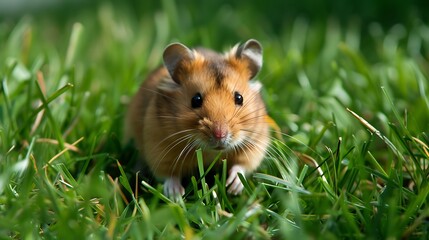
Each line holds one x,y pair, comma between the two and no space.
213,99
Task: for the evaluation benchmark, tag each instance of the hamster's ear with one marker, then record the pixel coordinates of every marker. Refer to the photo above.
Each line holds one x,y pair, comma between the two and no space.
251,51
173,55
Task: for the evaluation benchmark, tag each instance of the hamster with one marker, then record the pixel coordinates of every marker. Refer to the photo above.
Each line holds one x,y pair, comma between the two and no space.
201,99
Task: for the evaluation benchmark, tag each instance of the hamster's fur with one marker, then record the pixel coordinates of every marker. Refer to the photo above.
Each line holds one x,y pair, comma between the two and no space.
200,99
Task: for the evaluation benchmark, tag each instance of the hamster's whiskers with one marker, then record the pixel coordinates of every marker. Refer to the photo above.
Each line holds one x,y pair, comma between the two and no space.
190,145
249,120
256,144
174,135
273,152
188,137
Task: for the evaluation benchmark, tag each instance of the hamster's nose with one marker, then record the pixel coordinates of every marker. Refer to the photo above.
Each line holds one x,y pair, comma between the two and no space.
220,131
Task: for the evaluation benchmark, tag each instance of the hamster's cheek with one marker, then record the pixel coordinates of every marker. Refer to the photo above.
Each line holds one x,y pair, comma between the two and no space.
238,135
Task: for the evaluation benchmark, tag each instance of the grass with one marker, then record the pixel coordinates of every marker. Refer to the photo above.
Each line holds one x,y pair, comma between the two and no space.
351,100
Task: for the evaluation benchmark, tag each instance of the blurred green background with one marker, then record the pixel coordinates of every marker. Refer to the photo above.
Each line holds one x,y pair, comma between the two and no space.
274,13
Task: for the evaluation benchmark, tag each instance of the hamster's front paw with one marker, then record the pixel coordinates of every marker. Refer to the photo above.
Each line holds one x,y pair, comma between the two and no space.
173,188
233,182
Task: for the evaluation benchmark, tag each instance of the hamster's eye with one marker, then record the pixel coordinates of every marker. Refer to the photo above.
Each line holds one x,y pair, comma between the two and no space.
238,99
197,101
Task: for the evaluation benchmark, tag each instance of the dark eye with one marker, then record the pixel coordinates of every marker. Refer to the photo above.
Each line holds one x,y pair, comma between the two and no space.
238,99
197,101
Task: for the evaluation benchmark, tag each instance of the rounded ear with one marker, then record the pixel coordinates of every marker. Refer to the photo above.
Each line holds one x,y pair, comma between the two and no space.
251,51
173,55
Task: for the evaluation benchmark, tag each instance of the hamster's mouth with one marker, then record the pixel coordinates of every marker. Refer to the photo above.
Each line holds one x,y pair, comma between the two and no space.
219,145
219,148
224,143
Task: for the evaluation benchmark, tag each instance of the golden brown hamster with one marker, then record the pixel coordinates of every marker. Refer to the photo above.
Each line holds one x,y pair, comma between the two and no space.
201,99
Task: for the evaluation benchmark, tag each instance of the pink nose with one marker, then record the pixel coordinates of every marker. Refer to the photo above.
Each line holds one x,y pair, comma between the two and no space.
220,131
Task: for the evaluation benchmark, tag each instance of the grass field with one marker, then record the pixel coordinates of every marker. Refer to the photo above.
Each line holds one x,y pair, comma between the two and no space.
349,96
